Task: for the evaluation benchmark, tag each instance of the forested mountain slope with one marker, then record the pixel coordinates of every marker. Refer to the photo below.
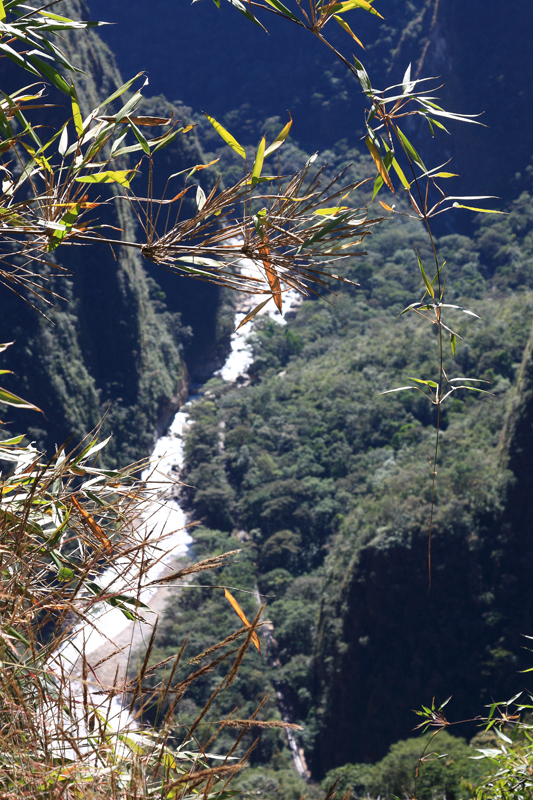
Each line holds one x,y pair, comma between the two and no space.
326,487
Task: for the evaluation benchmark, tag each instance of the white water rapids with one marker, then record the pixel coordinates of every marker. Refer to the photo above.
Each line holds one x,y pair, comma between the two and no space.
166,519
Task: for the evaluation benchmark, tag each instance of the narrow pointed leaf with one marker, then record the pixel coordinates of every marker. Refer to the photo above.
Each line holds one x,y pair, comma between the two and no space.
228,138
480,210
242,616
253,312
273,280
429,287
11,399
283,9
379,163
200,198
76,113
247,13
362,75
347,28
260,157
280,138
410,150
122,176
399,389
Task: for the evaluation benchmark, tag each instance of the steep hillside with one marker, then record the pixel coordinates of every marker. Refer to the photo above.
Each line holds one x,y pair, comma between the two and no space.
326,487
219,62
118,345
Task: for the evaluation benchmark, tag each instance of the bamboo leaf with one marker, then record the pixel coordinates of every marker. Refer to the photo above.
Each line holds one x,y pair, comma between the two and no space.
259,158
280,138
283,9
329,212
410,150
139,136
120,90
253,312
399,389
347,28
245,12
348,5
200,198
50,72
432,384
480,210
63,142
76,113
273,280
228,138
362,75
13,400
429,287
109,176
242,616
379,163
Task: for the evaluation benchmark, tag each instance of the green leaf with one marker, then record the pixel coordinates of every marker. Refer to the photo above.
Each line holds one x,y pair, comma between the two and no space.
19,60
399,172
453,343
259,158
283,9
410,150
2,11
51,73
480,210
327,228
67,221
132,103
120,90
432,384
13,400
380,164
348,5
65,574
429,287
363,77
109,176
347,28
245,12
228,138
76,113
280,138
140,137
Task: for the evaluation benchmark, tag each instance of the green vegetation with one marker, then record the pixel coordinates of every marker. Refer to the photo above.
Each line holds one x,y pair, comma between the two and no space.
448,770
317,478
316,481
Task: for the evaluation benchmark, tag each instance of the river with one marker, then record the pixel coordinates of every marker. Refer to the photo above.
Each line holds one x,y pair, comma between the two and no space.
110,630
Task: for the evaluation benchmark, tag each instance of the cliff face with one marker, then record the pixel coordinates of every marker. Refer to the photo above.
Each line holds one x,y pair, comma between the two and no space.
220,62
385,645
116,347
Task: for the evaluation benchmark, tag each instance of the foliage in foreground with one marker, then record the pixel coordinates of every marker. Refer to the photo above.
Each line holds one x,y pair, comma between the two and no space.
74,539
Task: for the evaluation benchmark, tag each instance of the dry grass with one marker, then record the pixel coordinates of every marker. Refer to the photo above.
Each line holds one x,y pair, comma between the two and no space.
67,529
